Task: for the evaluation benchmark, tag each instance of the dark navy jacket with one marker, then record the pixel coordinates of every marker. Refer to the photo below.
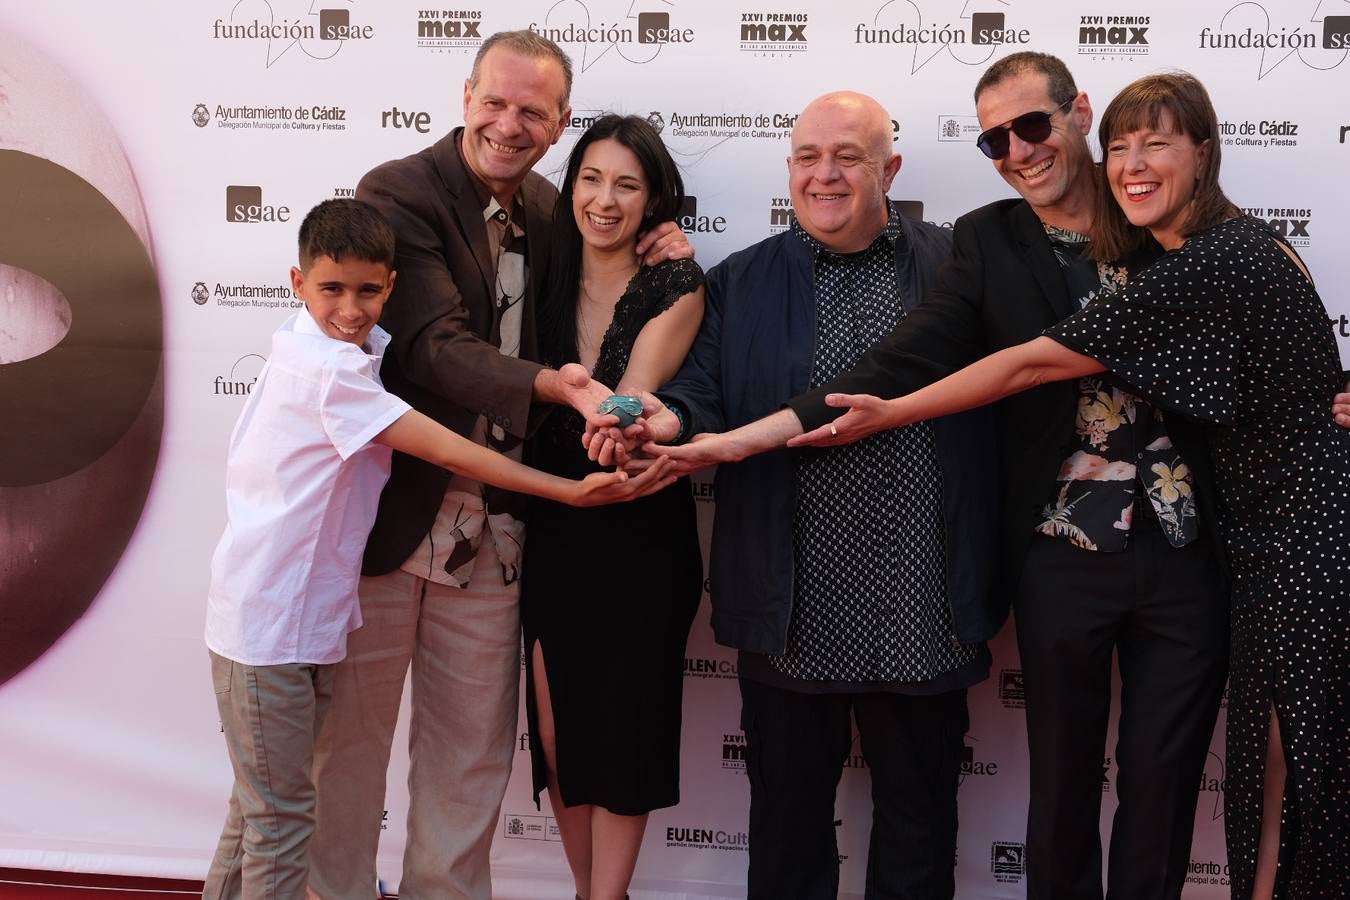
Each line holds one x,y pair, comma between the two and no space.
753,353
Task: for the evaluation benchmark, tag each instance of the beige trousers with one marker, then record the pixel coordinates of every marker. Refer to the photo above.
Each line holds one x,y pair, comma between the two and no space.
270,716
463,645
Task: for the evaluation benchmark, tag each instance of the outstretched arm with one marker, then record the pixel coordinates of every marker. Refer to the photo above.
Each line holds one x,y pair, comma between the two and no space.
420,436
1011,371
573,386
660,348
704,450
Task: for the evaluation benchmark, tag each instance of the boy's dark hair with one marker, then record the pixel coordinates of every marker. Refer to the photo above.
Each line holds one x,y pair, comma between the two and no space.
346,228
1062,87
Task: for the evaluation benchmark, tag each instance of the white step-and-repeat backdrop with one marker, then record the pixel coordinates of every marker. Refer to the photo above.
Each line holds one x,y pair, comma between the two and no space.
187,140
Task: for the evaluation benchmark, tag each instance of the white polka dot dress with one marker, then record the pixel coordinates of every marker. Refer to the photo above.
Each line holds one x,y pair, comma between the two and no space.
1228,331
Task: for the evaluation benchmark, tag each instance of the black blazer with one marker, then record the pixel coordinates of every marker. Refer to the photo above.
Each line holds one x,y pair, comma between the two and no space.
1002,287
445,324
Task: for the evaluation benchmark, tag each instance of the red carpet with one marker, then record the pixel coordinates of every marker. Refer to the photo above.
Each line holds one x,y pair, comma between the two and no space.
21,884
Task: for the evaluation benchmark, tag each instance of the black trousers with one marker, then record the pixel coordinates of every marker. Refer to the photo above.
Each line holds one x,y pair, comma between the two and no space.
1164,612
796,745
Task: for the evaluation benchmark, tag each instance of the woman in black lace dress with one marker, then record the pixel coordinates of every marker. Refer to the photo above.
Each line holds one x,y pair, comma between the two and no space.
607,599
1225,328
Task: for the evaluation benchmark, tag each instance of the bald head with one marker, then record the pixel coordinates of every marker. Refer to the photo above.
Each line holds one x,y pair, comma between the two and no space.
840,169
867,115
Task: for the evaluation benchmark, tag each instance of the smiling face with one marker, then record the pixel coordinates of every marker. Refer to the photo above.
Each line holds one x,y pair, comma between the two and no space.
840,169
1153,172
345,298
610,196
1054,172
512,116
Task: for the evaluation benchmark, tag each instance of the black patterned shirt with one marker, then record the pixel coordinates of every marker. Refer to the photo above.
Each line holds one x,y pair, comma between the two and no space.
1121,472
870,603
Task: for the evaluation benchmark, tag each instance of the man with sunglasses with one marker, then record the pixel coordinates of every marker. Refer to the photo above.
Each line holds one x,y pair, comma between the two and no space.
1106,523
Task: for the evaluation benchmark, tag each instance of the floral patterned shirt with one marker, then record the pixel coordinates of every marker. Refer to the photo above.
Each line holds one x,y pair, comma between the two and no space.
1121,456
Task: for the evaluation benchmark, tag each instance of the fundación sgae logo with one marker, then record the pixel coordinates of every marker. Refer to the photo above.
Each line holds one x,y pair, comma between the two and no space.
906,25
332,25
1248,27
316,34
1335,35
638,38
652,28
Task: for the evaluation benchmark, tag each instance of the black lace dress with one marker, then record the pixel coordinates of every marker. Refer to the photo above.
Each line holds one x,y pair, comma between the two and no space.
1227,330
610,593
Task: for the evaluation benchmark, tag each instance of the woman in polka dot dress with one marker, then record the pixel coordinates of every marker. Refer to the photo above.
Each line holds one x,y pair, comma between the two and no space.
1228,329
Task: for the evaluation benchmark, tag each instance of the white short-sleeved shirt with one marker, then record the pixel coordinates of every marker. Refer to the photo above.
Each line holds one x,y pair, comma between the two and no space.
302,483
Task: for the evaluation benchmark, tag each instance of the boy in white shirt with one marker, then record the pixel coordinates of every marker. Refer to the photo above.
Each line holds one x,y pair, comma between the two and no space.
307,460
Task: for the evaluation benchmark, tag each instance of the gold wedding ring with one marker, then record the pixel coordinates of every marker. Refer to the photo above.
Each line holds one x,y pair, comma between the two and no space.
834,432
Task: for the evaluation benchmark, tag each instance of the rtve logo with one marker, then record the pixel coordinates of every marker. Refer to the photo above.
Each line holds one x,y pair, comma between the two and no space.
393,117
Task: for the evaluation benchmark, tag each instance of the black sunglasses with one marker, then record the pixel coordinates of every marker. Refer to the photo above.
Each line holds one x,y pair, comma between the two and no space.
1032,127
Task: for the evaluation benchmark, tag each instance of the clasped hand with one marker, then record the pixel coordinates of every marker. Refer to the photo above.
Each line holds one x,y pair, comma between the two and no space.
609,445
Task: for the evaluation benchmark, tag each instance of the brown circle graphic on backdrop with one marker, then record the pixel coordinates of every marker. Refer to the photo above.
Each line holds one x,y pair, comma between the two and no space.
84,418
72,403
